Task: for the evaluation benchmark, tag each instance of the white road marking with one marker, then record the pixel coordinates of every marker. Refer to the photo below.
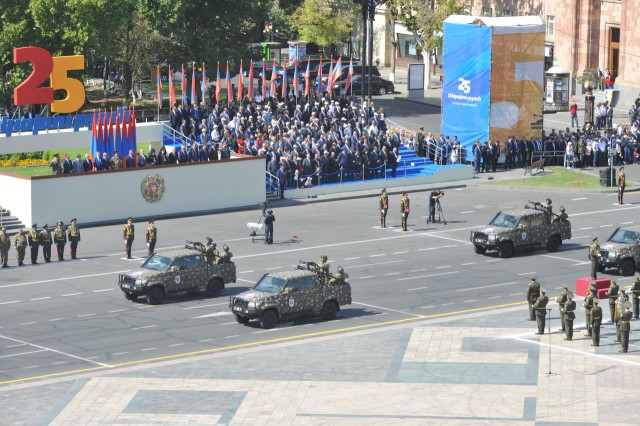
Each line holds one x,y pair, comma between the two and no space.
176,344
561,258
16,346
229,323
419,270
376,264
103,290
245,272
275,267
148,349
626,223
377,255
40,298
85,315
427,307
392,273
515,294
56,319
116,311
447,238
64,279
525,273
485,286
447,304
467,211
401,252
467,264
144,306
606,226
367,277
60,362
231,337
119,353
442,267
352,258
8,303
27,323
245,281
426,249
205,340
30,367
387,309
584,229
204,306
417,288
56,351
71,294
427,276
578,199
215,314
469,301
494,297
495,260
606,211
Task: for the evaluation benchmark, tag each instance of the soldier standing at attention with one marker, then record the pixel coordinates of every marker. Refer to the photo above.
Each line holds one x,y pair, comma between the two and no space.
152,234
5,245
635,294
34,243
569,316
619,309
596,320
621,185
588,304
128,234
404,209
562,301
541,311
612,294
20,242
625,327
532,295
44,239
594,255
384,207
74,237
60,238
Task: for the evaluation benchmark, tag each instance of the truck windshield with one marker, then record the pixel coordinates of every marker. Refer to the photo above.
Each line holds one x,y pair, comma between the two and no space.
157,263
624,236
270,284
504,220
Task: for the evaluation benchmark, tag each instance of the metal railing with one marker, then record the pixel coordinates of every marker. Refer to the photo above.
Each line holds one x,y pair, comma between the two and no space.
174,135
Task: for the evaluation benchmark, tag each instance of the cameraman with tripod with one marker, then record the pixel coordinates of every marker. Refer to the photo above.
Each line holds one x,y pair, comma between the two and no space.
434,199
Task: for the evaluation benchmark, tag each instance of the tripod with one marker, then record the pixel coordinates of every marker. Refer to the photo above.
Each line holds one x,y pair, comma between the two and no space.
549,373
441,218
254,232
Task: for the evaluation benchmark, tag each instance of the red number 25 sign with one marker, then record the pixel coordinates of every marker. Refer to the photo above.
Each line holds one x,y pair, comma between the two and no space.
46,66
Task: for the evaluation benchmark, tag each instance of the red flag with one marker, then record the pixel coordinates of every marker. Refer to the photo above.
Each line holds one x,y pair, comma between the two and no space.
159,87
274,72
240,83
295,77
194,97
125,142
349,74
183,87
110,138
307,78
284,83
229,87
264,81
250,91
94,141
218,84
204,84
330,78
172,90
320,91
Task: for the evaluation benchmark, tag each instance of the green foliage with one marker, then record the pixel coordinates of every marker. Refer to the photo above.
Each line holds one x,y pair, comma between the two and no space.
586,74
324,23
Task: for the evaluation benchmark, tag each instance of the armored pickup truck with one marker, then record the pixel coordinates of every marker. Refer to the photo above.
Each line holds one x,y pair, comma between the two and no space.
621,251
517,229
176,272
279,295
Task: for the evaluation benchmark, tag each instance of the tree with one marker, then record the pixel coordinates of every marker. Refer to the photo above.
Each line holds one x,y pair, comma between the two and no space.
324,23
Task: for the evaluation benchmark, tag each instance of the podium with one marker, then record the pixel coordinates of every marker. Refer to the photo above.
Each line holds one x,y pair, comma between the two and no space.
602,285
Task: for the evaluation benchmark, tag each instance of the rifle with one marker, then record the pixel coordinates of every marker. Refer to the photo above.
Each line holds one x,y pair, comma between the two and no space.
538,206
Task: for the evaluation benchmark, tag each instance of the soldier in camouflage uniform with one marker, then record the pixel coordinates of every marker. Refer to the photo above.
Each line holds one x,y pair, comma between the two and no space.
562,301
33,239
612,294
532,295
60,238
5,245
588,304
596,321
211,252
625,327
44,239
635,294
339,278
20,242
226,255
541,311
74,237
569,316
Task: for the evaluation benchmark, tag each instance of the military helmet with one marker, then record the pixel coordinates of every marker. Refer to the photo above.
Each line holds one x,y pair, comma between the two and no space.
209,239
324,257
225,247
340,269
548,200
215,245
561,209
534,276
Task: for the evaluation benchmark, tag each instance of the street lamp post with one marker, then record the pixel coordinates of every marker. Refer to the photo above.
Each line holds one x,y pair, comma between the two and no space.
589,101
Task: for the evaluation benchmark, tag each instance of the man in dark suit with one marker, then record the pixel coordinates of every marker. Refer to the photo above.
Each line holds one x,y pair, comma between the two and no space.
130,161
66,164
175,118
87,164
281,176
97,162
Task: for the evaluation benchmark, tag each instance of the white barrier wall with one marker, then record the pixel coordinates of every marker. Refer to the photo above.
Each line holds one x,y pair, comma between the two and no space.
115,195
67,139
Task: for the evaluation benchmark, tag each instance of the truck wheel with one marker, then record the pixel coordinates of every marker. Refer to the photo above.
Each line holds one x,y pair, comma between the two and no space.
505,250
329,310
553,244
155,295
479,249
130,296
268,319
627,267
214,288
241,320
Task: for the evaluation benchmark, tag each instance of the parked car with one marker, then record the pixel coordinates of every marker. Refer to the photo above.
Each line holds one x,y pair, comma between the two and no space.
379,86
257,68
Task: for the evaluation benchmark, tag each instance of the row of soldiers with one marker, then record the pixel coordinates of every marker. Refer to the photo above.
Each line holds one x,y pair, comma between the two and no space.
36,238
619,310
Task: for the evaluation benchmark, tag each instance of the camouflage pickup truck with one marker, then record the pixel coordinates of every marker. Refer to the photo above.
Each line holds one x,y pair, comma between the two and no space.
279,295
517,229
176,272
622,250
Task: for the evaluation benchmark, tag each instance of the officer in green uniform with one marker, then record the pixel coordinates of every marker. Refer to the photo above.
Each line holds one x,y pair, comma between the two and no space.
541,310
625,327
612,294
44,239
562,301
128,233
20,242
596,321
5,245
210,251
618,310
405,209
152,234
533,289
569,316
594,256
621,184
34,243
635,294
339,278
60,238
563,216
74,237
384,207
588,304
226,255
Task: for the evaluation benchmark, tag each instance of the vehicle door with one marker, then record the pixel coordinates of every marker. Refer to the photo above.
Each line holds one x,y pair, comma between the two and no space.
522,232
188,272
540,226
289,298
310,294
197,271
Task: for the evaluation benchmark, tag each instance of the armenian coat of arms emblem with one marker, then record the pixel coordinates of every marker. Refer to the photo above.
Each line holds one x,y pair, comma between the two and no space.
152,188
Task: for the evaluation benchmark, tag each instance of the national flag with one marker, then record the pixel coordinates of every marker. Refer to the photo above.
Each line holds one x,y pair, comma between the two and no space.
203,89
99,134
250,91
159,87
172,90
132,131
110,138
295,77
240,83
94,141
320,79
349,74
264,81
218,84
337,71
307,78
118,133
183,87
125,139
229,87
284,83
274,72
330,78
194,96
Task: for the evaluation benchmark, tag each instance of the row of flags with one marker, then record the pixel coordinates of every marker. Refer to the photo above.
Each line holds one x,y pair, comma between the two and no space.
113,131
335,72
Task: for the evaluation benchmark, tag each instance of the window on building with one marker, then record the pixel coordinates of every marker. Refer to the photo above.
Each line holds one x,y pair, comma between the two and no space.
487,11
551,24
509,13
